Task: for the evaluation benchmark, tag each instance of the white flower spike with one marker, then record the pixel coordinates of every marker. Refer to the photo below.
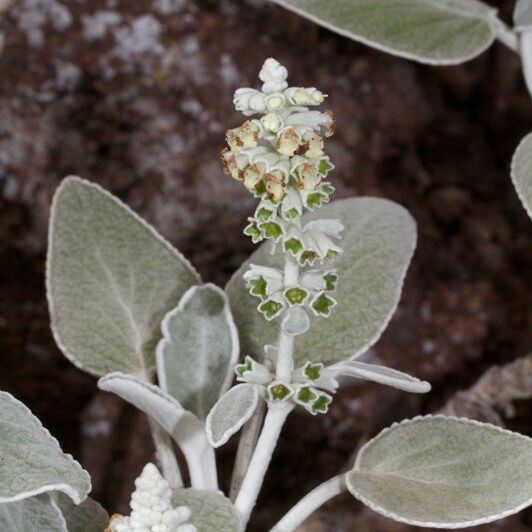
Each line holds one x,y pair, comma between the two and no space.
151,507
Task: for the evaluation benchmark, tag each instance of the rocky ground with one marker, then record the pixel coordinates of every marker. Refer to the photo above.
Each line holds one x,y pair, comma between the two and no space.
136,96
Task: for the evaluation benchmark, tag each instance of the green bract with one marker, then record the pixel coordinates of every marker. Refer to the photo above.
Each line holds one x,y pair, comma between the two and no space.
443,472
438,32
111,279
379,240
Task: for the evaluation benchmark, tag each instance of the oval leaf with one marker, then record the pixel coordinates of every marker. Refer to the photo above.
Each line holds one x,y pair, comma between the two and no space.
110,280
378,241
35,514
31,461
444,472
230,413
89,516
437,32
522,172
199,348
211,511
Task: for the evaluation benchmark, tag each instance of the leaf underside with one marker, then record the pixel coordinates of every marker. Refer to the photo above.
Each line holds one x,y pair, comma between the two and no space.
200,345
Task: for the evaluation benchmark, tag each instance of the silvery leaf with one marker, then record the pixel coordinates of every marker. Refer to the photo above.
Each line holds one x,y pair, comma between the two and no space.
34,514
522,172
382,375
31,461
230,413
89,516
522,15
444,472
153,401
110,278
211,511
437,32
199,348
378,242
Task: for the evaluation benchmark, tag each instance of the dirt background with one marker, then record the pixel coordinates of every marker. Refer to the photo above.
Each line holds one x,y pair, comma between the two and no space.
136,96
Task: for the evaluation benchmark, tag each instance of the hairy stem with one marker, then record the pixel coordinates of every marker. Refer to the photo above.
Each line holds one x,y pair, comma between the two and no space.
310,503
200,457
273,424
165,455
506,36
246,446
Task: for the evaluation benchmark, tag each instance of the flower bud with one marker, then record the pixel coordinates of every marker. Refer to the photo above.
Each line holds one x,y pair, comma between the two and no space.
275,101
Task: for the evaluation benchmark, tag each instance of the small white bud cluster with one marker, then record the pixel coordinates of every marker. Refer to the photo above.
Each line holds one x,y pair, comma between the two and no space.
312,292
151,507
280,153
306,387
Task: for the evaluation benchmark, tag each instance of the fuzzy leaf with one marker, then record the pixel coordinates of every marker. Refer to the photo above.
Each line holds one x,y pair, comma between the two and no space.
35,514
89,516
383,375
523,14
437,32
230,413
522,172
199,348
155,403
378,242
111,279
31,461
444,472
211,511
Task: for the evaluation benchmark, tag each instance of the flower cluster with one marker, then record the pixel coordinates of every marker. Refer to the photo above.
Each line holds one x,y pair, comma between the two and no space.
151,507
279,157
313,290
309,385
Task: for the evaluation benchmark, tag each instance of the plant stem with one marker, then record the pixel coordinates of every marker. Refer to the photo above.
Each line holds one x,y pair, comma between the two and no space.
273,424
199,455
246,446
310,503
507,36
165,455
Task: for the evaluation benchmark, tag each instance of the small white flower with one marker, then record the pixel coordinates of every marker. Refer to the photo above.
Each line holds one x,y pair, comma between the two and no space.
251,371
263,281
287,141
292,206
